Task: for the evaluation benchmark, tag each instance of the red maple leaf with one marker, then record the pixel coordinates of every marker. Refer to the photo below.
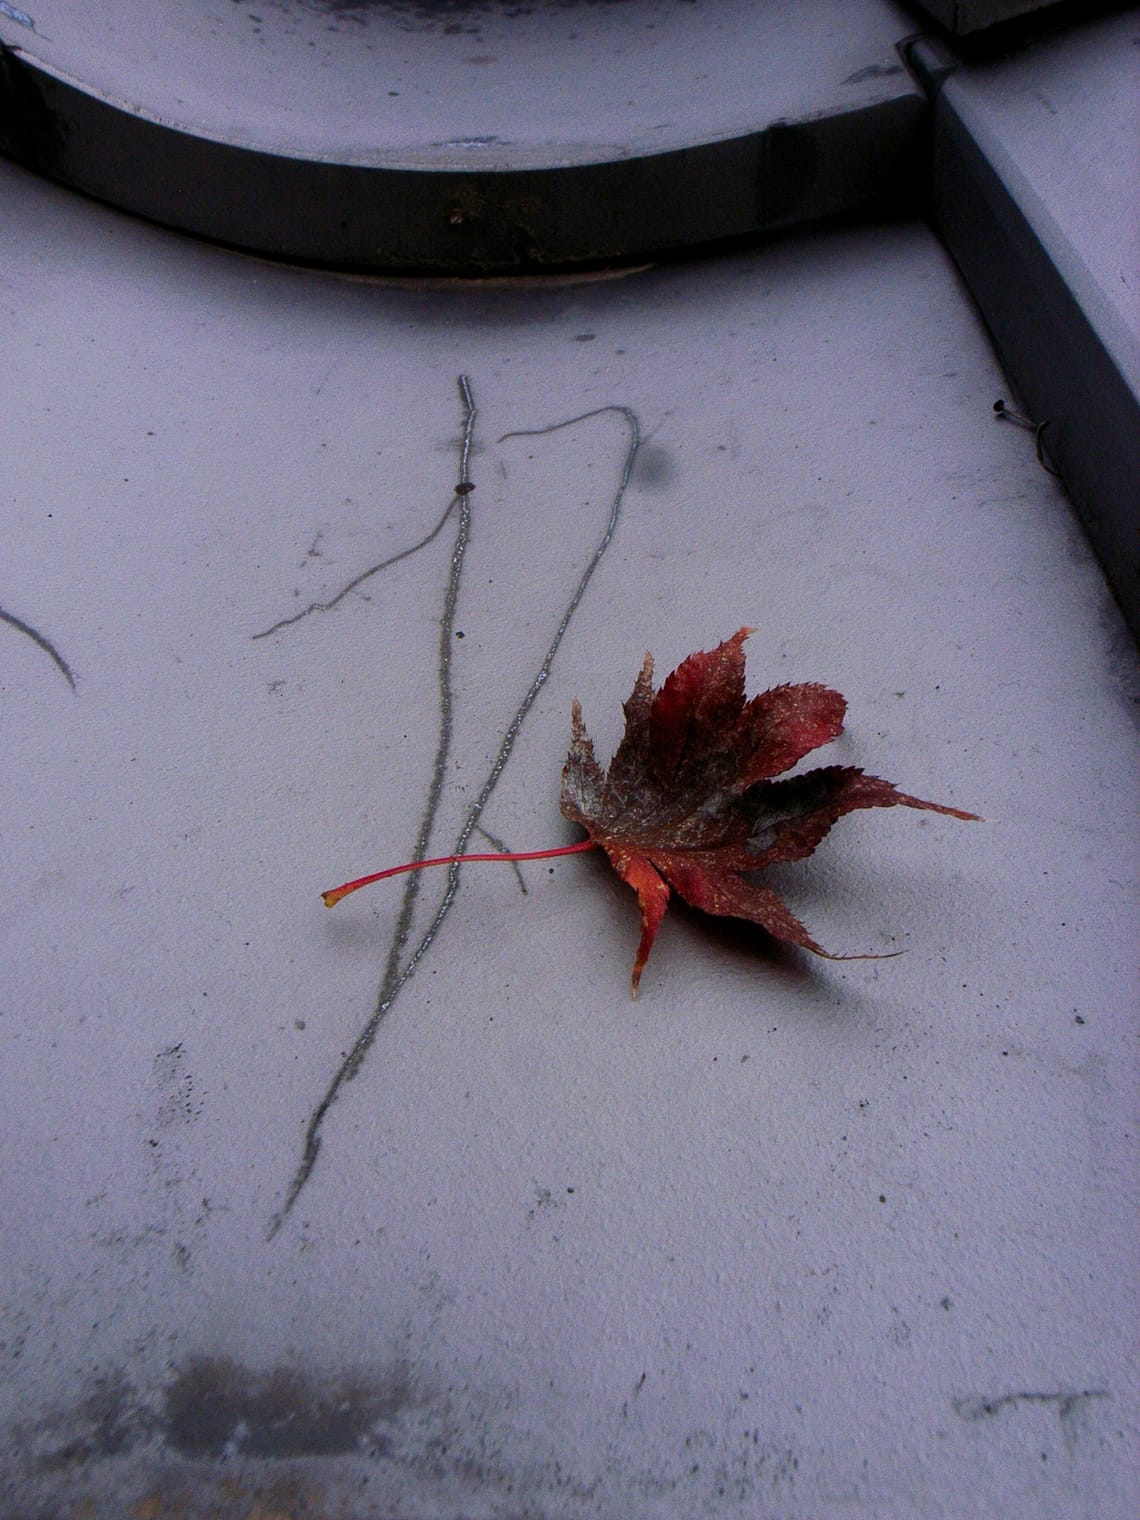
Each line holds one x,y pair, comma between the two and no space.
688,804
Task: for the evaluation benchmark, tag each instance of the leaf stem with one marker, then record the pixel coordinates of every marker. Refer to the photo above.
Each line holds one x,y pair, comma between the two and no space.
331,898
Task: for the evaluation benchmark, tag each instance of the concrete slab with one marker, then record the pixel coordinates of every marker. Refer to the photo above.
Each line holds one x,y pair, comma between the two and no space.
777,1239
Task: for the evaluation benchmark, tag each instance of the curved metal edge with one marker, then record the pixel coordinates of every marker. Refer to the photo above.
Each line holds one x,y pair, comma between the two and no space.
404,221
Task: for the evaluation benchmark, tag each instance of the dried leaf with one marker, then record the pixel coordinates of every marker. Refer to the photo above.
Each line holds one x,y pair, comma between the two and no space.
689,804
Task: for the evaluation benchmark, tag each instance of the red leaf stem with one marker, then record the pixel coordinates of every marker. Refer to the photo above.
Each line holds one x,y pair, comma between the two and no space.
334,896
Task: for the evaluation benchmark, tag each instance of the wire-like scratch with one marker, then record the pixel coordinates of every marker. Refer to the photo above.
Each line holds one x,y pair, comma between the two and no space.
504,849
46,645
364,575
394,979
391,980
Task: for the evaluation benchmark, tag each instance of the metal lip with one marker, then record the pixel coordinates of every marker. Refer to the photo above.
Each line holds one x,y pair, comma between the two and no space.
398,137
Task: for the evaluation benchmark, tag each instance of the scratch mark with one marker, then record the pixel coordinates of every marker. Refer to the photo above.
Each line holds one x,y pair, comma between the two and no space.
13,14
364,575
392,980
396,977
1070,1404
874,71
981,1408
504,849
38,639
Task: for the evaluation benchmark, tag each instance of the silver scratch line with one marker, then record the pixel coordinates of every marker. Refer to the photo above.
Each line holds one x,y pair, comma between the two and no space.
395,979
475,812
446,719
392,980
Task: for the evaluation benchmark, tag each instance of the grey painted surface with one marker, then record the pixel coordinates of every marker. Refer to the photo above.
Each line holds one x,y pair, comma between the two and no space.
779,1239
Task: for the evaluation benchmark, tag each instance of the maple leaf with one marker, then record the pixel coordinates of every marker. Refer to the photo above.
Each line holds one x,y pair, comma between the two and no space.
689,805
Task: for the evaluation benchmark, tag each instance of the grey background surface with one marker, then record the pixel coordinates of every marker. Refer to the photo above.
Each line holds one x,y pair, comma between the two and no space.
781,1238
723,1302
